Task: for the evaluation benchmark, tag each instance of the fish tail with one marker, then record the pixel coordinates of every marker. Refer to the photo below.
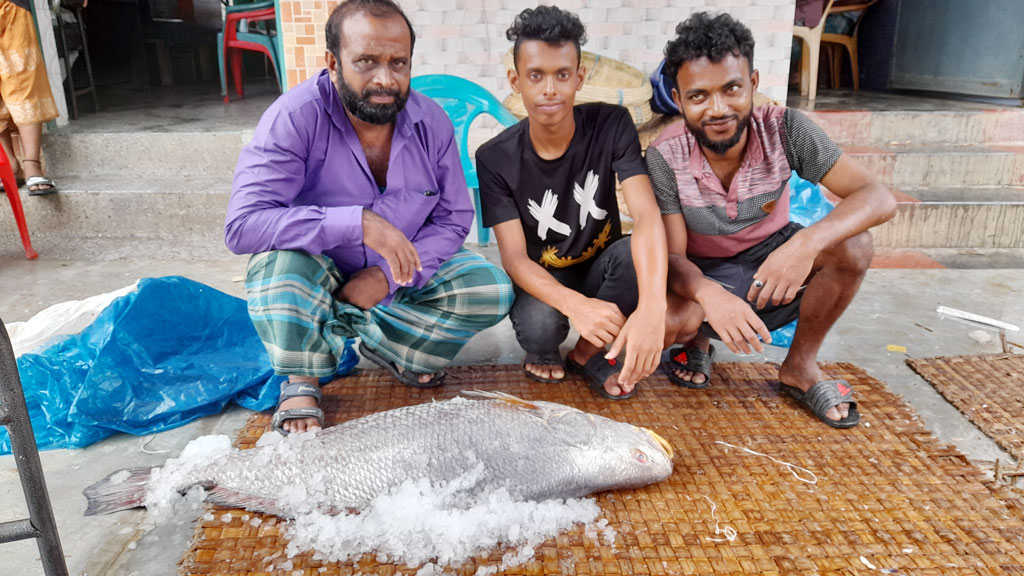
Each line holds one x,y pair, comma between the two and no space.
117,492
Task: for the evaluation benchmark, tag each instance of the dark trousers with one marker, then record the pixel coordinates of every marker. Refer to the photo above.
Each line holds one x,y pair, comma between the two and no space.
540,329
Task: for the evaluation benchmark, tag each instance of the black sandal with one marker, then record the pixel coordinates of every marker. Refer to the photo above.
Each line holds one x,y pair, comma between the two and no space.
691,360
824,395
596,371
406,377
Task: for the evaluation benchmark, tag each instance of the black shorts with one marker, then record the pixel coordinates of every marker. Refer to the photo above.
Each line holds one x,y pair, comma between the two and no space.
736,274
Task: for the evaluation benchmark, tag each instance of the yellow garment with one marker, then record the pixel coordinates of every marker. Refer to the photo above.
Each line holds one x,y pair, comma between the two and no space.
25,95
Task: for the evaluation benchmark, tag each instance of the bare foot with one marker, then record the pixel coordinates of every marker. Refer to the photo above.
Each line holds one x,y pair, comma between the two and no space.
702,343
545,371
804,379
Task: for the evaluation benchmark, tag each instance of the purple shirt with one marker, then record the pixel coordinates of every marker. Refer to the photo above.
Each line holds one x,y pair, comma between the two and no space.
303,181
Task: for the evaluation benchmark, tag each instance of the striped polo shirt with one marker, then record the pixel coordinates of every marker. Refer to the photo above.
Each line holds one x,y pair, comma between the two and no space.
721,223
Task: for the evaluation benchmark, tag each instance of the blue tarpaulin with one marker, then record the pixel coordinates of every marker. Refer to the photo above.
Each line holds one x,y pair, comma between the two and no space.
170,352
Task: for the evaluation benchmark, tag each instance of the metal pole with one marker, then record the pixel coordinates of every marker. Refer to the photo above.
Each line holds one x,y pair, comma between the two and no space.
14,416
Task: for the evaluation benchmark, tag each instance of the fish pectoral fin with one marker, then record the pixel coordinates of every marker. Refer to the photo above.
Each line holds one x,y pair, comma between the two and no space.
514,400
227,497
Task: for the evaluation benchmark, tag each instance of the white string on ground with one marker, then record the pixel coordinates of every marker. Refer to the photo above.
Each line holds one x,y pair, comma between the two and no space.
145,442
729,532
793,468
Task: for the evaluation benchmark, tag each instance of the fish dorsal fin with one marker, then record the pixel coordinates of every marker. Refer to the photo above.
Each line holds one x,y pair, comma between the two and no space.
513,400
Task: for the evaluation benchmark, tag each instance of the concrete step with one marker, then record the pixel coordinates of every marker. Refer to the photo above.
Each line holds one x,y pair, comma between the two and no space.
112,218
922,127
956,218
944,166
953,258
977,258
133,155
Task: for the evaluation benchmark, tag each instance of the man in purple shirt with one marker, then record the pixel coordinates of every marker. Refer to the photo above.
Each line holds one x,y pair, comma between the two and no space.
352,200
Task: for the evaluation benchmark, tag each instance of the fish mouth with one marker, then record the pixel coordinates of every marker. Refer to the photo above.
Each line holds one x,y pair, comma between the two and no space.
663,443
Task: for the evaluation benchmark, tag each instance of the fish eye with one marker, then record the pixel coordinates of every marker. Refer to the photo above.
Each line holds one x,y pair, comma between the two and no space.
640,457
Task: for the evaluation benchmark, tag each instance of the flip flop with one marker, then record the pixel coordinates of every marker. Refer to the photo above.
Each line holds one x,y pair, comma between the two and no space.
553,360
405,377
40,181
690,359
596,371
297,390
824,395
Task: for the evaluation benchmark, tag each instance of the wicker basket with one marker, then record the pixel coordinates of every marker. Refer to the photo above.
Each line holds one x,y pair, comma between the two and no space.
608,80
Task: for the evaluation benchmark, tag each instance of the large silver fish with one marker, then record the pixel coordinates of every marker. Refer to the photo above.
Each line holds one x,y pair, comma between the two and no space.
535,450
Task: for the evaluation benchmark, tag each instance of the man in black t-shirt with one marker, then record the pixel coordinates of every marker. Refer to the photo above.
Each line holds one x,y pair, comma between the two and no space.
547,187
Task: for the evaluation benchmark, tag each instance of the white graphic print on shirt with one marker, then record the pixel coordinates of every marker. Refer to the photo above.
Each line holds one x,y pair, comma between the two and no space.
585,198
545,215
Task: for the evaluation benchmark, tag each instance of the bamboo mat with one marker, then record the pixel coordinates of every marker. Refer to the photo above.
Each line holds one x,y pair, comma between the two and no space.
988,389
888,493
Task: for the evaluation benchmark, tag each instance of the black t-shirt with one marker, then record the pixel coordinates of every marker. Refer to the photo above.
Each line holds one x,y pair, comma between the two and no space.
567,206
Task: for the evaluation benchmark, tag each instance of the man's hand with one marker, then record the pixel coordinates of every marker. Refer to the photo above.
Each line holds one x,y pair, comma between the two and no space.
783,272
366,288
642,337
388,241
597,321
735,321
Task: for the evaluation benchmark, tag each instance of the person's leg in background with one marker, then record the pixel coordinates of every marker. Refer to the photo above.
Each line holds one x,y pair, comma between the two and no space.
25,92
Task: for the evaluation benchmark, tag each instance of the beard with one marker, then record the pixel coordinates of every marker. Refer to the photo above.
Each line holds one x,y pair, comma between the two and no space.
361,107
719,147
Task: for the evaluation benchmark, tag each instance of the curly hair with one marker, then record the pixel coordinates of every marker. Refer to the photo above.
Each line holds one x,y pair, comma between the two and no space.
549,24
704,36
378,8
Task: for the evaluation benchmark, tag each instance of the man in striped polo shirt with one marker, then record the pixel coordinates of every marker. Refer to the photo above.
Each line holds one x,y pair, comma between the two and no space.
738,267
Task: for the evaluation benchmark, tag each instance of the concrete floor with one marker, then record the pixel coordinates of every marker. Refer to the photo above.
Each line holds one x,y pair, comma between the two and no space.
893,307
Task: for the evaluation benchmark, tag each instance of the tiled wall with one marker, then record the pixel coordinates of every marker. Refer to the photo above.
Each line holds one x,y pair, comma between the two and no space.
467,37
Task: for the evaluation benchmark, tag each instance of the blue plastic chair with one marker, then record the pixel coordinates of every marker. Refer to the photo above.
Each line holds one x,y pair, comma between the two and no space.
463,101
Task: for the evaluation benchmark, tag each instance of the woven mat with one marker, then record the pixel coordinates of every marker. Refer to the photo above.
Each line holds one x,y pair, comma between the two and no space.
888,493
987,389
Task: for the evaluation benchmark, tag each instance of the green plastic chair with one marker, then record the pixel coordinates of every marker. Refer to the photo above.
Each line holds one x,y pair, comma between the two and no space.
463,101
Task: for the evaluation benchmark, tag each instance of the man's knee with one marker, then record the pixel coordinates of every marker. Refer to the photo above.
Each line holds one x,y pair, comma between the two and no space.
854,255
493,283
614,277
538,327
683,319
619,259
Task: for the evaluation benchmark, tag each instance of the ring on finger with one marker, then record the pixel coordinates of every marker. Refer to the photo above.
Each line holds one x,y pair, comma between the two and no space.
758,283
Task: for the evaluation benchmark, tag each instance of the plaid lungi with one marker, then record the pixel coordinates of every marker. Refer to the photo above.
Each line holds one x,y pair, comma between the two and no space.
305,328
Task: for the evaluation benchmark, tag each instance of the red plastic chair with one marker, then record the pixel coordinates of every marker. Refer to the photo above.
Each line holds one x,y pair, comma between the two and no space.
233,45
11,189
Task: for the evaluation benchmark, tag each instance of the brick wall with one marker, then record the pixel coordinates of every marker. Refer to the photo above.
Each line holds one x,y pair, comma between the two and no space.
467,37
